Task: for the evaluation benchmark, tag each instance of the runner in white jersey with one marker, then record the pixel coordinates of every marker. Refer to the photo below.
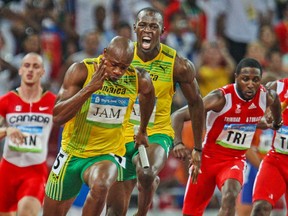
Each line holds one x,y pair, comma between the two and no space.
26,113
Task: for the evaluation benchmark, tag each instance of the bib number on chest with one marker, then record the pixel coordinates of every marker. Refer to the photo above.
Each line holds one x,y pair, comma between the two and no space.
107,111
32,142
236,136
281,140
135,114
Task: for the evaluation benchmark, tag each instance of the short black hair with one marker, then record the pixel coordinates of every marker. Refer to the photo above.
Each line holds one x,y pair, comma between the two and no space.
248,62
152,10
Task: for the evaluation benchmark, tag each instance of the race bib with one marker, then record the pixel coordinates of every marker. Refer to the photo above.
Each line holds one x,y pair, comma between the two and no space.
121,160
59,162
236,136
281,142
135,114
33,142
107,111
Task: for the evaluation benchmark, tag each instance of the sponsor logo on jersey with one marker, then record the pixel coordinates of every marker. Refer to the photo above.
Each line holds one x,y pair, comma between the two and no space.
252,106
43,108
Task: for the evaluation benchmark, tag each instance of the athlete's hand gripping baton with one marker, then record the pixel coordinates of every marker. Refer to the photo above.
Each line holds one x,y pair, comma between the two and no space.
142,151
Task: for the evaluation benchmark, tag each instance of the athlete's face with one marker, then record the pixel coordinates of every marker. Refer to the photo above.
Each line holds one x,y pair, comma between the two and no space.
248,82
116,65
31,69
148,29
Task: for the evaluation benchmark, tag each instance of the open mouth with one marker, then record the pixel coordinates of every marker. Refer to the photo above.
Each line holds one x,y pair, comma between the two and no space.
29,76
249,94
146,42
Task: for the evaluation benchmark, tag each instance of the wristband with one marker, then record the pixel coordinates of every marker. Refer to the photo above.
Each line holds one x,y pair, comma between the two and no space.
197,149
178,143
277,126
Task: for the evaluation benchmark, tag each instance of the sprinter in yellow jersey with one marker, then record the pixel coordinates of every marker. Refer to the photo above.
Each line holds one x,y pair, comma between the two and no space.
166,69
94,103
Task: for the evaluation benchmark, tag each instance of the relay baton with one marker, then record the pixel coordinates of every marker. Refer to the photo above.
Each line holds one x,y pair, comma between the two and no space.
142,151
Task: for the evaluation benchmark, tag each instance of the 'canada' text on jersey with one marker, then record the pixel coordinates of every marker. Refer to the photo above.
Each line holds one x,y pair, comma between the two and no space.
28,118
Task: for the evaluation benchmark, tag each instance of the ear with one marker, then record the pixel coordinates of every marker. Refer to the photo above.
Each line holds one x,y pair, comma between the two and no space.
20,71
163,30
134,27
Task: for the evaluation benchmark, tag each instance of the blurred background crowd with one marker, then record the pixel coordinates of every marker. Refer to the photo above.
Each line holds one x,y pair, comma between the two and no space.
214,34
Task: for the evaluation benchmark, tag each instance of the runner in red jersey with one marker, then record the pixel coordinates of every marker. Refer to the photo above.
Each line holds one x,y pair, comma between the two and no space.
232,113
274,165
27,114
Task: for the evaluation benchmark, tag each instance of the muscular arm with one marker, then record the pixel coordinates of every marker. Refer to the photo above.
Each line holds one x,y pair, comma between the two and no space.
146,96
274,103
213,101
72,94
184,74
178,118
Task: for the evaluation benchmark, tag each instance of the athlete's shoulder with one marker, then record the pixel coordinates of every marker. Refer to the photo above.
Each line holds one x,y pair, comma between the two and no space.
229,88
168,51
285,81
9,95
50,96
90,61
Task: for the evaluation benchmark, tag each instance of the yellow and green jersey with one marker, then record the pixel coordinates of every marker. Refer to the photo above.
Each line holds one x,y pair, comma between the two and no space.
98,127
161,72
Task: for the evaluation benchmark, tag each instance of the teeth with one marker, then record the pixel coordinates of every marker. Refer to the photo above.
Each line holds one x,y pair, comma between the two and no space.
146,38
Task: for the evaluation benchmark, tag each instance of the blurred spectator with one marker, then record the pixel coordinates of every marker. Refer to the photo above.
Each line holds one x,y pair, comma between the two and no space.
196,17
281,30
267,38
256,50
8,10
180,36
172,6
7,71
211,14
89,49
275,66
215,67
124,29
32,43
240,22
106,34
84,14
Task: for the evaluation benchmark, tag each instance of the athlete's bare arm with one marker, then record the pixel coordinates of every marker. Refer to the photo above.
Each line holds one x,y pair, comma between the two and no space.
215,101
184,74
147,101
274,104
72,94
14,134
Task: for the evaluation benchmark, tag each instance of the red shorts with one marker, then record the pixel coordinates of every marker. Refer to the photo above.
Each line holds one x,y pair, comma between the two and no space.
17,182
214,173
272,178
